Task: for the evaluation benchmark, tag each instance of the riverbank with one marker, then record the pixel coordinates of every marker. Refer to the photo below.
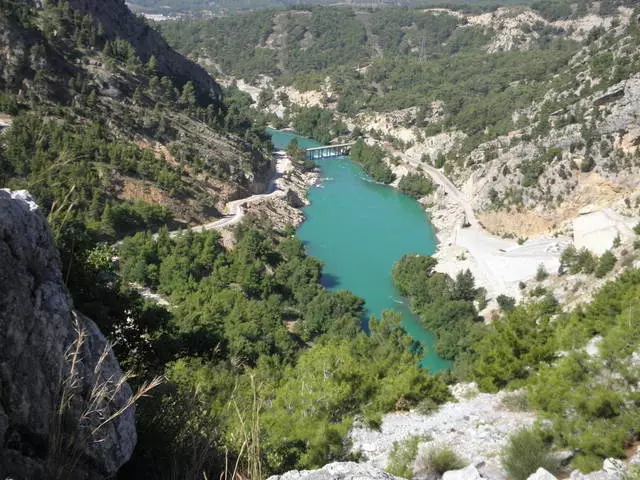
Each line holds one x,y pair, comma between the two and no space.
498,264
280,205
285,209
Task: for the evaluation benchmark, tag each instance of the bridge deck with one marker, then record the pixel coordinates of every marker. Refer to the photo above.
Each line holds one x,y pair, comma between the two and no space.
327,147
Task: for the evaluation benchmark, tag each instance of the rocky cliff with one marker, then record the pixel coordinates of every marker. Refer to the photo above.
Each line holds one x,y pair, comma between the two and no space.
55,391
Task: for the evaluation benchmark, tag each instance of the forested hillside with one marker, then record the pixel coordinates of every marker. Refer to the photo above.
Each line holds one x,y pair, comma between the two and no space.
264,369
234,6
468,92
533,113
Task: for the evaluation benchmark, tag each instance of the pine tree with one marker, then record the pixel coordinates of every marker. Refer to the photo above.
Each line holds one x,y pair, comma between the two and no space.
188,96
152,65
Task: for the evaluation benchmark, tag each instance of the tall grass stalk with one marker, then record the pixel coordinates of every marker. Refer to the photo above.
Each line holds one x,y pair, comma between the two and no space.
68,436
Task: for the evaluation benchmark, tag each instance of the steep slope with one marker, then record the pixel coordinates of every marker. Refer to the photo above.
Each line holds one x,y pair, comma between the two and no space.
67,74
117,21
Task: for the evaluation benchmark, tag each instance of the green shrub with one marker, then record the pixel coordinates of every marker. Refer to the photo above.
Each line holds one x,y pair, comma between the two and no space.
606,264
416,185
436,460
541,273
506,303
525,453
427,407
402,455
516,401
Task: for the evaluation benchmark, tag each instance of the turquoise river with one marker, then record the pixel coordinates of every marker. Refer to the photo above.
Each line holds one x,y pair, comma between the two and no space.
359,229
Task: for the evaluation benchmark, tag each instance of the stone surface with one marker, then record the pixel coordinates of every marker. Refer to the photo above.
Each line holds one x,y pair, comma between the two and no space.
476,426
37,327
542,474
338,471
614,466
468,473
599,475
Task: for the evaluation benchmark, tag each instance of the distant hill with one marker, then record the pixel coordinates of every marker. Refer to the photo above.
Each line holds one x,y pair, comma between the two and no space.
230,6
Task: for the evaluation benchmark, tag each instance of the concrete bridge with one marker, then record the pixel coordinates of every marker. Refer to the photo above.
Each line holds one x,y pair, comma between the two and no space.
329,151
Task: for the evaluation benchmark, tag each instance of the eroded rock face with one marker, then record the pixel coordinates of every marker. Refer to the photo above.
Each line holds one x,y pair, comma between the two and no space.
37,328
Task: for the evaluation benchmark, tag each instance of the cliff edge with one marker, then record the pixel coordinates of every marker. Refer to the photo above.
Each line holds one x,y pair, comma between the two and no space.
55,391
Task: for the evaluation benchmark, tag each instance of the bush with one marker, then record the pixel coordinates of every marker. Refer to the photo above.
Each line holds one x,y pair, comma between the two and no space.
506,303
525,453
606,264
428,406
516,401
416,185
402,455
436,460
541,273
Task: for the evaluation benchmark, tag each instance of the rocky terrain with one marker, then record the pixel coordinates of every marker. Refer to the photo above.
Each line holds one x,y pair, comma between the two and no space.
476,426
51,417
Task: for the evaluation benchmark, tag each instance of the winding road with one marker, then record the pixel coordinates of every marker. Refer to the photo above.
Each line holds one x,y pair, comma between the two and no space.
447,185
234,215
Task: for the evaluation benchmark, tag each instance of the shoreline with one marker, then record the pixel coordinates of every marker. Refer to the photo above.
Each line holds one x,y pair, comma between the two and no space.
497,264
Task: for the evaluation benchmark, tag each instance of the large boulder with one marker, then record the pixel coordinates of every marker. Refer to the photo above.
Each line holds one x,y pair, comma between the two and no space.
55,391
542,474
468,473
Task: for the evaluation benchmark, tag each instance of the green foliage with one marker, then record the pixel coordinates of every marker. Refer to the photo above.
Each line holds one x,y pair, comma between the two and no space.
588,399
525,452
605,264
582,261
541,273
316,123
523,337
506,303
230,323
532,169
437,459
372,160
416,185
445,306
402,455
66,165
426,57
298,156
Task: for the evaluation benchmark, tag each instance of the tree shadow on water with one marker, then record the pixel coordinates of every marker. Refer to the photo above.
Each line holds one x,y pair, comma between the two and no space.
329,281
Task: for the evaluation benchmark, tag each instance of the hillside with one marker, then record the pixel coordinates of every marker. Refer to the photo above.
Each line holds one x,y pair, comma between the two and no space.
178,7
107,104
530,112
506,123
519,129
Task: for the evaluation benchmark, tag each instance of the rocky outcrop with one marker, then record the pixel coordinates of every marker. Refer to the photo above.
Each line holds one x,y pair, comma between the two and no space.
468,473
39,331
338,471
476,427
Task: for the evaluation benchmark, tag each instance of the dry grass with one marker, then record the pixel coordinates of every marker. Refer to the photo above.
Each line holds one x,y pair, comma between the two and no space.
69,434
248,463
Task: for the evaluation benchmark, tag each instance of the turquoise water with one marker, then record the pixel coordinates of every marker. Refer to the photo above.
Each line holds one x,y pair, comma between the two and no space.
359,229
